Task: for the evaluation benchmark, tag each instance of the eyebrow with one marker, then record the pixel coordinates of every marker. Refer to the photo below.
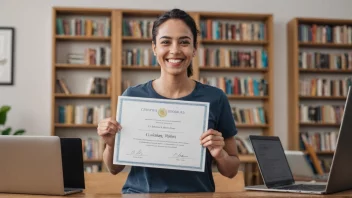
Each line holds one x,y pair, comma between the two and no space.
182,37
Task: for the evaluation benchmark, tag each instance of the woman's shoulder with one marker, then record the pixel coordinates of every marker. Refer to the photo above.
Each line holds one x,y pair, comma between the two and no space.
139,90
211,91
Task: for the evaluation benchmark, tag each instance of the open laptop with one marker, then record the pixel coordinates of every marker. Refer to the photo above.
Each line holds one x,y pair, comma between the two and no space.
46,165
277,174
300,166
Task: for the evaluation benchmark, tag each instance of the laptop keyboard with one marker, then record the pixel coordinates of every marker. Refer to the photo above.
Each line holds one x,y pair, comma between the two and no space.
305,187
69,189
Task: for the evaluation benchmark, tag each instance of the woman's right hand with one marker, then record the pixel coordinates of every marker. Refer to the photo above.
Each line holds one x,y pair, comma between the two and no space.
107,129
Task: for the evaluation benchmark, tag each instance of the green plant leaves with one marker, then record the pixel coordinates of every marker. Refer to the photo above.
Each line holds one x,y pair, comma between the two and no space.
6,131
19,132
3,113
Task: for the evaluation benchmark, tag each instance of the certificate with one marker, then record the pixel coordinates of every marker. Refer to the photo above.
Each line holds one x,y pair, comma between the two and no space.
161,133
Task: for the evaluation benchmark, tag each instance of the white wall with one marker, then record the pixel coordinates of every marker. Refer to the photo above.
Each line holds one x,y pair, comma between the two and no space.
30,97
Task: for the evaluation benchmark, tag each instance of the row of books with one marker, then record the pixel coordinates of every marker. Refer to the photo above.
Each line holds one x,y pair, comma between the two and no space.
82,114
139,57
249,115
61,86
83,27
137,28
329,114
324,87
321,141
233,30
245,86
99,85
324,163
325,33
92,148
244,145
125,84
100,56
318,60
223,57
95,85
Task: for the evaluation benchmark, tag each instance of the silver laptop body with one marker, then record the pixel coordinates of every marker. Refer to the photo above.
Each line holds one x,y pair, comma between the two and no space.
277,175
32,165
301,167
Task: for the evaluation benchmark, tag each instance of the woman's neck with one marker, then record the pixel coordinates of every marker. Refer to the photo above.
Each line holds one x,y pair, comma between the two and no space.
173,86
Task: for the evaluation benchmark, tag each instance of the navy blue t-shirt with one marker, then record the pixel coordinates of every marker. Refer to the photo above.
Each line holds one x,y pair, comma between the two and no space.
157,180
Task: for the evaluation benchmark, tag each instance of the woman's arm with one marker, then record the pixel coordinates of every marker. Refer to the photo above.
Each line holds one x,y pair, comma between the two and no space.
228,162
108,159
223,151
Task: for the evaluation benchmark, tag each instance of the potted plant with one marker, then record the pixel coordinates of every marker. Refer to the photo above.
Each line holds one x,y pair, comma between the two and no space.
7,130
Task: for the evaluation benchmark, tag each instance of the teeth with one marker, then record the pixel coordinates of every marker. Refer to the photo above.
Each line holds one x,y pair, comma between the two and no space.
174,60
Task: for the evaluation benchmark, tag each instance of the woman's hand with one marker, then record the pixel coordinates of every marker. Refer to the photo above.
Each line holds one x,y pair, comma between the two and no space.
214,141
107,129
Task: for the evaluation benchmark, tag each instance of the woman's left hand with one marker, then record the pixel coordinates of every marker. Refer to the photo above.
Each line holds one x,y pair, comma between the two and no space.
214,141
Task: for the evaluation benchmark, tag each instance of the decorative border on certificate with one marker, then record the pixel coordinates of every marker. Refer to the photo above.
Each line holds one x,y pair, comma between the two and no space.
122,99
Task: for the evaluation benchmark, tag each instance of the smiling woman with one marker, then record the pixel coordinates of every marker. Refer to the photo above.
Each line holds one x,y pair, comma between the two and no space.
174,45
174,42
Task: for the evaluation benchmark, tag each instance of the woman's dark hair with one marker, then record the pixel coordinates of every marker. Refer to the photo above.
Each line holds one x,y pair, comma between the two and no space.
186,18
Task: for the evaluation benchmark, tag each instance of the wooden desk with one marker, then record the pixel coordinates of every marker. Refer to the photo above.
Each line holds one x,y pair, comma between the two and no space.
188,195
104,185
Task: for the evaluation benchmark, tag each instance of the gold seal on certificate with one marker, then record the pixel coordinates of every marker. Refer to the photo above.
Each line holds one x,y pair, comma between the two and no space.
161,133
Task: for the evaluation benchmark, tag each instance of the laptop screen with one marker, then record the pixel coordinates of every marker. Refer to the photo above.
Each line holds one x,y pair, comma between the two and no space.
272,160
72,162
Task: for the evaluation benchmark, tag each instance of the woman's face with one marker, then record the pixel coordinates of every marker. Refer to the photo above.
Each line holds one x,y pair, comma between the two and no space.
173,47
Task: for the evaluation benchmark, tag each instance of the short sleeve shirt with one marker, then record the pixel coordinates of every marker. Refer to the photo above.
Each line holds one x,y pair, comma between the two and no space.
158,180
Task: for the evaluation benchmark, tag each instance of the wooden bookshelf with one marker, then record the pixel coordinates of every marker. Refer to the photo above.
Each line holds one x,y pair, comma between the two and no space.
83,96
135,39
82,67
233,69
60,125
119,71
252,126
78,42
93,160
82,38
329,71
143,68
232,42
298,69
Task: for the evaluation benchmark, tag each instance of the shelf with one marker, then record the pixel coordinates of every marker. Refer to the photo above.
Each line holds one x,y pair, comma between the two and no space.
82,38
325,152
85,11
320,124
233,68
322,97
63,125
249,158
329,71
136,39
232,42
83,96
144,68
83,67
294,45
235,97
92,160
324,45
252,125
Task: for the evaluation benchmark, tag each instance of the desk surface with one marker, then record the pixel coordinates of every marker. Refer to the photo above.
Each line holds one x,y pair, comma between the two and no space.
179,195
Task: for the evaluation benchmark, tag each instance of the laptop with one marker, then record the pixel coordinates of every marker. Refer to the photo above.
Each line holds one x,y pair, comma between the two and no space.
276,172
301,166
46,165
